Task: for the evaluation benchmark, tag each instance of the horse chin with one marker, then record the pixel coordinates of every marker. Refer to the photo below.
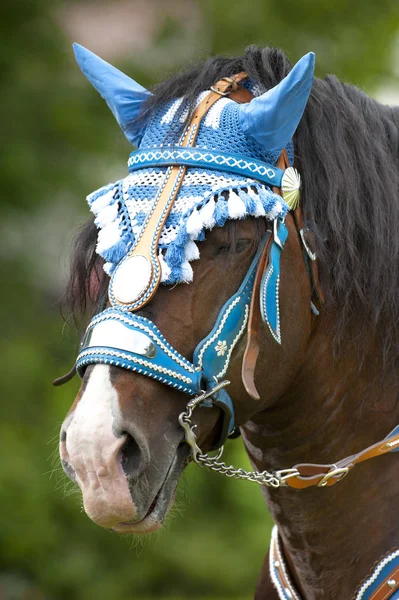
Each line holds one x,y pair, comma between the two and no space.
131,507
162,502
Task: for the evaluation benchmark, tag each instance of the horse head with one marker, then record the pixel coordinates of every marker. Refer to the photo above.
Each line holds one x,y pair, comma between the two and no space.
204,272
121,441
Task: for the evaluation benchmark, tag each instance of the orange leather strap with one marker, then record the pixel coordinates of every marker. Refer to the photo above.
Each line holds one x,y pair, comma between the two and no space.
310,475
147,243
254,321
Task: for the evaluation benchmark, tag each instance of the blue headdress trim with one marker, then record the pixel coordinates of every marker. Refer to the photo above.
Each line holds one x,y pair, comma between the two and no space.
206,159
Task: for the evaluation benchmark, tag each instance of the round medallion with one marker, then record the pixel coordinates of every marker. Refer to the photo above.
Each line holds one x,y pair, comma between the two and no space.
290,187
131,279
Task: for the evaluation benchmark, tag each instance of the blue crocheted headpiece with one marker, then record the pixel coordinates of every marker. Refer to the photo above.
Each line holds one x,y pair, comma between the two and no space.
207,198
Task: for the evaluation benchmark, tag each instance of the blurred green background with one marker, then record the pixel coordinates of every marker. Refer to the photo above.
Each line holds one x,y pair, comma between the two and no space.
59,142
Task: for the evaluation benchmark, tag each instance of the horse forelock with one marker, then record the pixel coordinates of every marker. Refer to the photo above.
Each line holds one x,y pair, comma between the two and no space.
346,147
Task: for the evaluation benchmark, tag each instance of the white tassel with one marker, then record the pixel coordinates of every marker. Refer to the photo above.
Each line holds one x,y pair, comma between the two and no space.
236,206
275,212
107,268
259,210
102,201
108,237
165,268
191,251
187,272
107,215
207,212
194,224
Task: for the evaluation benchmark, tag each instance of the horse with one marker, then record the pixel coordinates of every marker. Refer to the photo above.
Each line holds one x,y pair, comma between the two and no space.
296,305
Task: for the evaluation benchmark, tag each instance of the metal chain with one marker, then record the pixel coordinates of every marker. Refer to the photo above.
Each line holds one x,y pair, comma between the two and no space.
270,479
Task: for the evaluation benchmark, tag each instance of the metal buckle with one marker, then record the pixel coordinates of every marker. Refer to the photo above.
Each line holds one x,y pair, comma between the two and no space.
219,92
233,87
341,472
311,254
275,234
284,474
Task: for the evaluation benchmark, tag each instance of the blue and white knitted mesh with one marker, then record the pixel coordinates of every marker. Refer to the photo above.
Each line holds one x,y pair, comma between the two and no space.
202,203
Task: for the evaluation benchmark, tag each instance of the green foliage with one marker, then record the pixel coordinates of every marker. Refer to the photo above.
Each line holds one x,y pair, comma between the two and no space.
58,143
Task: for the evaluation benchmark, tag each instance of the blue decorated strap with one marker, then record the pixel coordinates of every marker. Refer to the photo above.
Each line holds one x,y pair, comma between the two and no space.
213,353
136,344
381,571
206,159
269,289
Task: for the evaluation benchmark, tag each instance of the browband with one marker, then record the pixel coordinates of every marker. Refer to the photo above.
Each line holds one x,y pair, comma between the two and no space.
207,159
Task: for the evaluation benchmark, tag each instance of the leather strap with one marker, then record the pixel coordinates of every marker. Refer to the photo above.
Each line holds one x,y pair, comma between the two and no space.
147,243
279,570
254,321
327,475
313,263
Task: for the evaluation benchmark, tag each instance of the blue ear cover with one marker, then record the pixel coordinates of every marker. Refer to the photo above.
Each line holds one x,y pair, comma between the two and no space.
123,95
271,119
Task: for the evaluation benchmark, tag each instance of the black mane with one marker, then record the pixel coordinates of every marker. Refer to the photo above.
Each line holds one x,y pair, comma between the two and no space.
347,150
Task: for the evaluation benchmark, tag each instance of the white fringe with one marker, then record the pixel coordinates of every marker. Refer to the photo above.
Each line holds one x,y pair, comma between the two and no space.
207,213
108,236
107,215
102,201
275,212
107,268
187,272
165,268
236,206
194,224
259,210
191,251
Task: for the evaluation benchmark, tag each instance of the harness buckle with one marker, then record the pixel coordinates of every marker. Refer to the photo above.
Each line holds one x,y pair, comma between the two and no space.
338,474
284,474
231,88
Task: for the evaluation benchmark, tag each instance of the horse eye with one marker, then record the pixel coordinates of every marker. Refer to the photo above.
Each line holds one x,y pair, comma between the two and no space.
233,248
241,245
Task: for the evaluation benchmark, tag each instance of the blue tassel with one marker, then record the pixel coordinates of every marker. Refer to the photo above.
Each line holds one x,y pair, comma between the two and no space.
182,237
115,253
249,201
221,213
174,256
176,275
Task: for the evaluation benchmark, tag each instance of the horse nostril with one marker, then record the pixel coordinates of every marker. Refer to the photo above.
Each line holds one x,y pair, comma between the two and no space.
133,460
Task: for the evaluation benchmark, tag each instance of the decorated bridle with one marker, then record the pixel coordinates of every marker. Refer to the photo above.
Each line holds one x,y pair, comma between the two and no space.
119,336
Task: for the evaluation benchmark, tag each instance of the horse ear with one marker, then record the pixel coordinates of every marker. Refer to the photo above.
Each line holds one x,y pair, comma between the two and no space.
272,118
123,95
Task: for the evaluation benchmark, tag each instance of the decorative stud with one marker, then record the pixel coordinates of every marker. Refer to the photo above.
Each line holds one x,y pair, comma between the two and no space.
391,583
277,564
290,186
221,348
131,278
